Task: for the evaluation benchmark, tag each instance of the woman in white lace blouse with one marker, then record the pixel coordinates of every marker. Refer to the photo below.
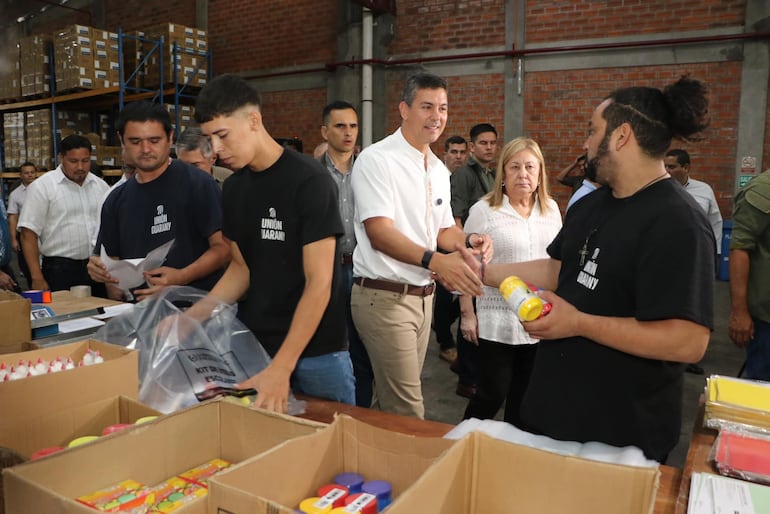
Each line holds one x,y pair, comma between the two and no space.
522,220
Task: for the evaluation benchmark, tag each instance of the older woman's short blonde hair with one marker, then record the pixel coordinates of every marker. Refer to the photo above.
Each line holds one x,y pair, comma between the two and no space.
495,197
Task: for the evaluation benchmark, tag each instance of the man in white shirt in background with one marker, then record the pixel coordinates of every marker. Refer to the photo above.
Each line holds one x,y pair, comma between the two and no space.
61,211
28,173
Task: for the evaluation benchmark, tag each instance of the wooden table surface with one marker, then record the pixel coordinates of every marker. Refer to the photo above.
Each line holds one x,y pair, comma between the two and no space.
697,457
324,411
63,302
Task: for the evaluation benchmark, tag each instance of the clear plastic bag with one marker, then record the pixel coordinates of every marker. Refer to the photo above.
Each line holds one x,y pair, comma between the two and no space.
182,359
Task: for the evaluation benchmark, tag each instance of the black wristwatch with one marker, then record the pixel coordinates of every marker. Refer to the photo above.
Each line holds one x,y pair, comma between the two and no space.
426,257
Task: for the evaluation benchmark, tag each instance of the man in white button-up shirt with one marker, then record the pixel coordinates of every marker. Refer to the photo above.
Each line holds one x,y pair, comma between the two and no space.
59,218
403,213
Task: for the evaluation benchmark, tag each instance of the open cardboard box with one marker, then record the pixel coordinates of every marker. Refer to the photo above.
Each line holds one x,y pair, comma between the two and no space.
14,313
482,475
30,397
59,427
149,453
277,481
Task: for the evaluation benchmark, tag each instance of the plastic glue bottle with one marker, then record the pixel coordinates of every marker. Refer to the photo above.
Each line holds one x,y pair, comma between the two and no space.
527,305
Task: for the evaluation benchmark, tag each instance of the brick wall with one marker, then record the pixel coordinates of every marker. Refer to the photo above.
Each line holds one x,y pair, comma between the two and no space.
557,117
430,25
248,35
295,113
556,20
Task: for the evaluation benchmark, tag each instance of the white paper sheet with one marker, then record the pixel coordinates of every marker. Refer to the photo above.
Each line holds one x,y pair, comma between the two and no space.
130,272
74,325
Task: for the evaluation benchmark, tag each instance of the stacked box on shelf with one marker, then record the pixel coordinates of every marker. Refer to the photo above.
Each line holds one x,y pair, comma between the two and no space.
106,128
73,122
108,156
35,65
106,56
74,58
39,142
134,50
15,145
186,119
191,66
10,80
202,45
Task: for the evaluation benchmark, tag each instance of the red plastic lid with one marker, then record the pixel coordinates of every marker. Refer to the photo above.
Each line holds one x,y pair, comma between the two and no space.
334,492
117,427
367,503
45,451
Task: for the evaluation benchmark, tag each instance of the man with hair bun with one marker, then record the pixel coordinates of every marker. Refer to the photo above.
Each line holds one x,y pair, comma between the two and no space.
627,315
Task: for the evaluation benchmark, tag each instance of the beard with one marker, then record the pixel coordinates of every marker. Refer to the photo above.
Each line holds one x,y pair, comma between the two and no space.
592,165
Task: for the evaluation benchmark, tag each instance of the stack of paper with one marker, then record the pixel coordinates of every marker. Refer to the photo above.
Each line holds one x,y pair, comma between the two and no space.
714,494
733,400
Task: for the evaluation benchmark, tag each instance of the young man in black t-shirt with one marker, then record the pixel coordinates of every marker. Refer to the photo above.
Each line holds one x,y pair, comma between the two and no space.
281,216
627,314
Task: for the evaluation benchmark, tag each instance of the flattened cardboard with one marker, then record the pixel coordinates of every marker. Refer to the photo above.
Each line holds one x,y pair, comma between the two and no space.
59,427
482,475
14,313
149,453
276,481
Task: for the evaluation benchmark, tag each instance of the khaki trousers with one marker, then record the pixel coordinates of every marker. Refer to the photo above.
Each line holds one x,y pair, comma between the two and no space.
395,329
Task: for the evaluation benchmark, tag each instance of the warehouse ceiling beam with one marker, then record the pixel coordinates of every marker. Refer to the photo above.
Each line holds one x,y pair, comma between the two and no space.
21,13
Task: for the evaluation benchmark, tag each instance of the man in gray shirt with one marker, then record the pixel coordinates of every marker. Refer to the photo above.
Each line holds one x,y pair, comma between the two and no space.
340,131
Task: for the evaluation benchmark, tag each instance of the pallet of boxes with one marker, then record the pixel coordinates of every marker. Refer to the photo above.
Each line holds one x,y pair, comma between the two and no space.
188,65
10,83
85,58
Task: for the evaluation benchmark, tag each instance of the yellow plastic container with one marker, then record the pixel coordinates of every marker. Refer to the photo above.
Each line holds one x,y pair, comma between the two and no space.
526,304
82,440
314,505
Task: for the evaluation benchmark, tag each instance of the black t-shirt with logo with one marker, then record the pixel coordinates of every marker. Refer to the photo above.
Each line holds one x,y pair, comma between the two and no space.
272,215
650,257
183,203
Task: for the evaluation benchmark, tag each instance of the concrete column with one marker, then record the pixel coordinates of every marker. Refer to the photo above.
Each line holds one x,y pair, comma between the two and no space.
515,36
753,103
202,14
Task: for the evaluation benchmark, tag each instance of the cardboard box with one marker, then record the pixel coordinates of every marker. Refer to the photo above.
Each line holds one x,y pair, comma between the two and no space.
31,397
58,427
278,480
149,454
482,475
14,311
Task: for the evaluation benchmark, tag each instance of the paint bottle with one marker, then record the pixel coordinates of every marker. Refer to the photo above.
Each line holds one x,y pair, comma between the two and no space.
364,503
382,490
334,494
526,304
314,505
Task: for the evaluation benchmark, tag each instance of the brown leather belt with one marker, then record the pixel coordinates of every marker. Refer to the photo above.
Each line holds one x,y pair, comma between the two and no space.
395,287
346,258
